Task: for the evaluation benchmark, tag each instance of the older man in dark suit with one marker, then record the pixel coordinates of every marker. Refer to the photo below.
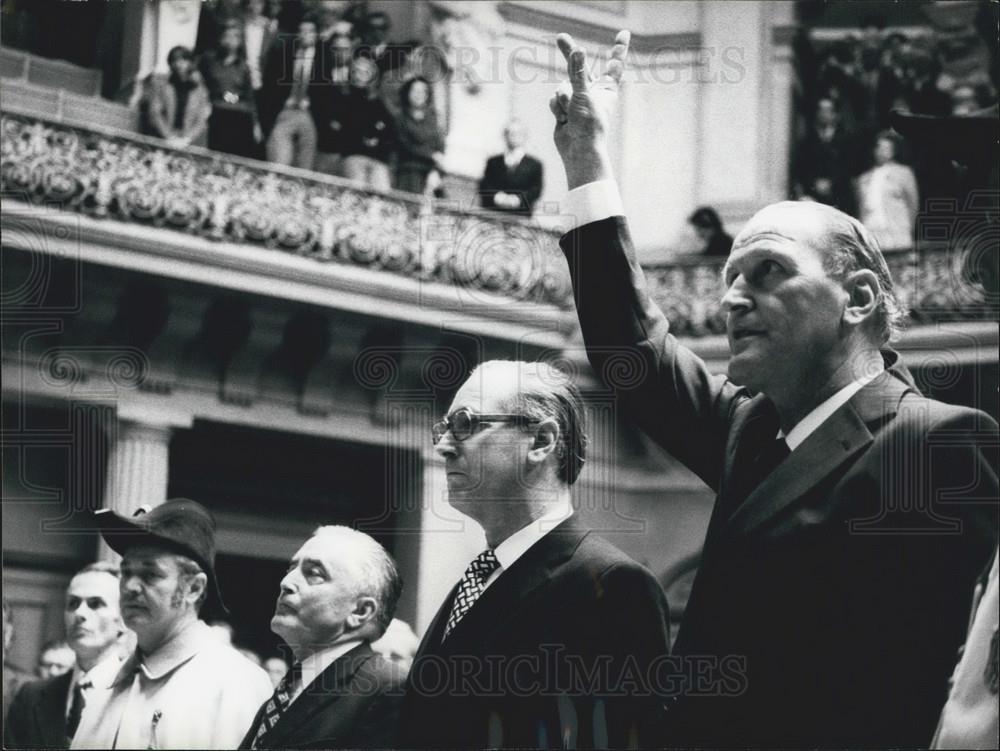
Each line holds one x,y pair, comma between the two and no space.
552,637
852,513
45,713
512,181
337,597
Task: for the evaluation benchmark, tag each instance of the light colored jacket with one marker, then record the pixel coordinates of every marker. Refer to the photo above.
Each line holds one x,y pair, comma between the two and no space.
193,692
162,102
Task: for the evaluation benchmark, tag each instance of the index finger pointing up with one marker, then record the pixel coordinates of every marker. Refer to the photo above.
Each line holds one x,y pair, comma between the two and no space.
576,62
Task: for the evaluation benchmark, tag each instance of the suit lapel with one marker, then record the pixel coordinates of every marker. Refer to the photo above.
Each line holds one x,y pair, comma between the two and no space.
322,692
431,643
52,710
837,439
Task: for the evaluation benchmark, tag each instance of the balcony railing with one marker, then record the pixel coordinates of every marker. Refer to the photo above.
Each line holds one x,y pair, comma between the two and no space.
126,178
120,177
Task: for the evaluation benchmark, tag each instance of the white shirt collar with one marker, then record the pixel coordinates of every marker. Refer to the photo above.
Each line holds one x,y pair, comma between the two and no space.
508,551
805,427
101,676
514,157
319,661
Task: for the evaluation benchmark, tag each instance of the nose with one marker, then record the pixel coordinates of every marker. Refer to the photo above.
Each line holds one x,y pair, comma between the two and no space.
130,583
446,446
288,582
737,299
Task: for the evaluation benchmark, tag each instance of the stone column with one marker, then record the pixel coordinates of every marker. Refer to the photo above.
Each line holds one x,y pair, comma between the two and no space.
138,463
448,541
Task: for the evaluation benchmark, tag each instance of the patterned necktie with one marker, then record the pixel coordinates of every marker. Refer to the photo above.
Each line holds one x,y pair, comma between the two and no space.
277,704
472,585
76,708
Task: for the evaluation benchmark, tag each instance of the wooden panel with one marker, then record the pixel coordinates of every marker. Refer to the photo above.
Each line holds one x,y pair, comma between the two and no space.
36,600
57,74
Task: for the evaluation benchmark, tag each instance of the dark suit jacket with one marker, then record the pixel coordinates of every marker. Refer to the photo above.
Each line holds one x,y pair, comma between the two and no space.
546,653
354,703
839,585
278,79
524,180
37,716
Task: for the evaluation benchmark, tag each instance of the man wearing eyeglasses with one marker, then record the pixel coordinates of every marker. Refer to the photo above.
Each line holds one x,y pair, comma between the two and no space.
552,637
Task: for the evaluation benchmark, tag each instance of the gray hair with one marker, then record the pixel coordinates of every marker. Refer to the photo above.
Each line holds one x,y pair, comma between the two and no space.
101,567
545,392
850,246
378,575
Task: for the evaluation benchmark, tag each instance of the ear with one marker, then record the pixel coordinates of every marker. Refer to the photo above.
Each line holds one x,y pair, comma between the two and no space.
546,441
196,585
863,294
364,611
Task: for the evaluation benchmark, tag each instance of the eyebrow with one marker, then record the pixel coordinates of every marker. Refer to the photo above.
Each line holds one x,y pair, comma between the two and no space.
752,255
296,562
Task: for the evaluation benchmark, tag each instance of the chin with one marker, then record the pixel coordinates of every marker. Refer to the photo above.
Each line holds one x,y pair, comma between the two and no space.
742,370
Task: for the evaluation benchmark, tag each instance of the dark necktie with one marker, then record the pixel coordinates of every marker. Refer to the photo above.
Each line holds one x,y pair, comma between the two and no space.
76,708
472,585
277,704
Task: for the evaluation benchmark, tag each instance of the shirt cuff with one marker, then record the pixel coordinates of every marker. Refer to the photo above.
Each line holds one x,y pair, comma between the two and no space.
593,202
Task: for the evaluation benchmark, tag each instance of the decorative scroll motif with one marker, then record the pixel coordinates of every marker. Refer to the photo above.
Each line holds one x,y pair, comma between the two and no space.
139,180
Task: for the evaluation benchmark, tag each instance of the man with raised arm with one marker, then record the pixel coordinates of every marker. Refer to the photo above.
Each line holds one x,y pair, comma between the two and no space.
852,513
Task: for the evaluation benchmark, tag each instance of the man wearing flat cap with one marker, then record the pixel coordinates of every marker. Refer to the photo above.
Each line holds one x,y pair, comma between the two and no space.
181,688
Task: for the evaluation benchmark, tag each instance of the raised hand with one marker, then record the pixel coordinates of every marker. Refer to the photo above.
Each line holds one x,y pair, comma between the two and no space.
582,108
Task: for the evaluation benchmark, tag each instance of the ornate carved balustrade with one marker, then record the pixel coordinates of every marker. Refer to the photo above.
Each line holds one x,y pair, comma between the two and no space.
134,179
125,178
930,282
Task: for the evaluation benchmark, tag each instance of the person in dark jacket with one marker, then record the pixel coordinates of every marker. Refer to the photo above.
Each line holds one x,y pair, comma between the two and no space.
337,597
233,127
512,181
708,226
370,138
421,140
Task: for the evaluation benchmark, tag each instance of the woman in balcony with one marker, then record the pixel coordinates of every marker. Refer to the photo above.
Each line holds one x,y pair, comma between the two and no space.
421,140
887,196
234,126
178,104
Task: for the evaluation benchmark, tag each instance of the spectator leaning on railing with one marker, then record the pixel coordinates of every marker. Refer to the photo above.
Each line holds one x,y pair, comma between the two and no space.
293,83
178,105
331,104
370,137
421,141
234,126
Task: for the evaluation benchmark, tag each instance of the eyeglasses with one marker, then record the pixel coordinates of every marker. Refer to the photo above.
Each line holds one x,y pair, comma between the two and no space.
463,423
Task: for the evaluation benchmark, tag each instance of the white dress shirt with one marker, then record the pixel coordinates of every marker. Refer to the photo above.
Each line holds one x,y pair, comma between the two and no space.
96,683
513,158
253,37
804,427
508,551
600,199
